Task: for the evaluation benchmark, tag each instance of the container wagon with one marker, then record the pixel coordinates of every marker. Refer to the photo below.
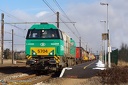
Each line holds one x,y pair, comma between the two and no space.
81,55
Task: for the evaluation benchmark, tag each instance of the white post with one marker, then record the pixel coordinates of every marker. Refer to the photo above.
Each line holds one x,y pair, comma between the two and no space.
108,42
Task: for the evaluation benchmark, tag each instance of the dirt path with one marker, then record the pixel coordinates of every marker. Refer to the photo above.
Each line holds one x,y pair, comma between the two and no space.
72,81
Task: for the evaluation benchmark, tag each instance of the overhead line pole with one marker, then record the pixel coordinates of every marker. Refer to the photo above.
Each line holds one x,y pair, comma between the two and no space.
80,48
2,36
12,48
58,19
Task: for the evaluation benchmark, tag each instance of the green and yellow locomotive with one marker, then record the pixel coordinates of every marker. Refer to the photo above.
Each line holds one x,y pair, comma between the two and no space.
47,47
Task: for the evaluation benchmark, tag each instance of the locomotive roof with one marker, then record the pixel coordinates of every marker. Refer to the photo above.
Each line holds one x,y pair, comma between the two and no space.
43,26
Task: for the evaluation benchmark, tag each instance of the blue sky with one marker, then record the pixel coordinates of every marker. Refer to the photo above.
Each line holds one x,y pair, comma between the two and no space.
86,13
37,5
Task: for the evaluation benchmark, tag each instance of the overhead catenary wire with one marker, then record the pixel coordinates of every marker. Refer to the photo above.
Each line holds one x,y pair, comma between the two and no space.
33,22
69,20
15,43
15,34
61,9
65,15
49,6
60,18
10,15
13,24
17,27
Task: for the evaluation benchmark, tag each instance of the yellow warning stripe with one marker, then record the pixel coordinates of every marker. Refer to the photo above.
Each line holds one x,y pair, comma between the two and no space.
57,59
29,57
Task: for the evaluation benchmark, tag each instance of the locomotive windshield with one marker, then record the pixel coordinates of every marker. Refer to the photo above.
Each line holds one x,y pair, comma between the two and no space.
44,34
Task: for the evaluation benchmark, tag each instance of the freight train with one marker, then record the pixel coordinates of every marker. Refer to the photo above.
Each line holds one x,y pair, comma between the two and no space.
83,55
47,47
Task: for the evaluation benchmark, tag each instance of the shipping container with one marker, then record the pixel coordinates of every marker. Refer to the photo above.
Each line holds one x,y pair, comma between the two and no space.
81,54
77,52
66,39
85,56
91,56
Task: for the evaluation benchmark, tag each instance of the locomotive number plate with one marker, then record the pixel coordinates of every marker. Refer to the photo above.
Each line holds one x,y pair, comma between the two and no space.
42,51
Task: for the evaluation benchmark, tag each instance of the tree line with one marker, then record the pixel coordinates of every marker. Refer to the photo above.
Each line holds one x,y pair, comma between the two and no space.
123,53
17,54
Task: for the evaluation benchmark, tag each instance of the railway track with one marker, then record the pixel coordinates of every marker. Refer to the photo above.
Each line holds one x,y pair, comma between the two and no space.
29,79
23,76
44,78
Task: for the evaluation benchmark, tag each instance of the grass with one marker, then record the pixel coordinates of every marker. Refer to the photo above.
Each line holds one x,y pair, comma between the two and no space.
117,75
122,63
